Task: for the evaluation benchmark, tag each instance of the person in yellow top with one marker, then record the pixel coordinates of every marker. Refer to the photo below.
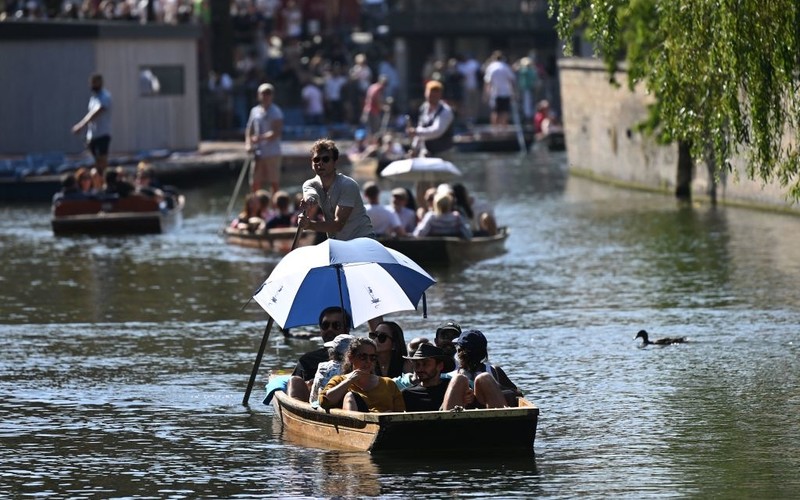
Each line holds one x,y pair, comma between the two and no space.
358,388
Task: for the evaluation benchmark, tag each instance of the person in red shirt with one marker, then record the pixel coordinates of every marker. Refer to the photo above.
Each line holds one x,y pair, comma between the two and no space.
373,107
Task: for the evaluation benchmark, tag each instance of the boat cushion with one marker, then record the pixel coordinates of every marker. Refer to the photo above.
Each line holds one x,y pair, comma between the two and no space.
276,383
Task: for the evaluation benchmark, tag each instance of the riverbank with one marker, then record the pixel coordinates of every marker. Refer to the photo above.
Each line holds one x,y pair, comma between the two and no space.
212,160
601,128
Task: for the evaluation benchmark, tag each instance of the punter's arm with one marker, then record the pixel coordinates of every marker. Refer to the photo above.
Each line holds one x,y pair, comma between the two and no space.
339,220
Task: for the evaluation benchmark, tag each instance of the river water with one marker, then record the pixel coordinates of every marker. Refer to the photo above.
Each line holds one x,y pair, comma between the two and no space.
125,360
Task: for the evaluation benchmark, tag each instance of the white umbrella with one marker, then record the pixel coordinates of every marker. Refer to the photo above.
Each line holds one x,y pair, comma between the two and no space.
421,169
361,275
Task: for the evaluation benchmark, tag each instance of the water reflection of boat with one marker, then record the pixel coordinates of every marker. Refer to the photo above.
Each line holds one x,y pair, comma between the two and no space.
494,139
507,429
277,240
114,216
449,250
553,140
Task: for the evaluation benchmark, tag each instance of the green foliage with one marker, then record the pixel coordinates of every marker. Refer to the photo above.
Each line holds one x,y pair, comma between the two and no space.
725,72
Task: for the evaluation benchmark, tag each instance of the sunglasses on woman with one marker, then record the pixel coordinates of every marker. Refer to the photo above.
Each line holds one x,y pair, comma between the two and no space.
380,336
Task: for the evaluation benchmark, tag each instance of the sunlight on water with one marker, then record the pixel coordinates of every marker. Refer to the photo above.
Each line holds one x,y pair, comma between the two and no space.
125,360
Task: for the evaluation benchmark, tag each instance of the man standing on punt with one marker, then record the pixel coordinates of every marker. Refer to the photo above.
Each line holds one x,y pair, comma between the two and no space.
336,195
263,138
97,123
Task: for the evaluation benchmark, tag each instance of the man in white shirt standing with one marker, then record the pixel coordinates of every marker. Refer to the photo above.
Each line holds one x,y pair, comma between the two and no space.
97,123
499,87
263,138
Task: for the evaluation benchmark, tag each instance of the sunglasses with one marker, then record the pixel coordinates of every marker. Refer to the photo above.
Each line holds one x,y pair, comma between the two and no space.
364,357
336,325
320,159
448,334
380,336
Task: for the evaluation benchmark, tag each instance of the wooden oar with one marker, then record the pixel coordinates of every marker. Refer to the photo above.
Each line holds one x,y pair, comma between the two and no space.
264,340
297,235
523,148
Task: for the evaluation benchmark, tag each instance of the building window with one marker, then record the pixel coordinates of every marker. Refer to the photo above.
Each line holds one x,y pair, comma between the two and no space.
161,80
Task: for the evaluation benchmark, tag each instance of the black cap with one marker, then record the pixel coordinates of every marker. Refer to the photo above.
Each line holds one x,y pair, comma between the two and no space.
449,325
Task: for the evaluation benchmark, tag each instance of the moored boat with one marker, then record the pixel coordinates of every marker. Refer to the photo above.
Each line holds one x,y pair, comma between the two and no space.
492,139
553,140
278,240
449,250
116,216
498,429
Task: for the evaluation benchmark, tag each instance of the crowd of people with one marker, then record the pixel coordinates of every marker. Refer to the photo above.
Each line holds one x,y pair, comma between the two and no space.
334,203
335,81
383,373
338,85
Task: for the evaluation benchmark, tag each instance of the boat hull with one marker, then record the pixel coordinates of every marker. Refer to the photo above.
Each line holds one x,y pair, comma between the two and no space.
124,216
492,140
277,240
500,429
449,250
554,141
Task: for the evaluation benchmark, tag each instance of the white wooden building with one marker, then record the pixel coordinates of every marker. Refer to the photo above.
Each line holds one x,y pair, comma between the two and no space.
44,89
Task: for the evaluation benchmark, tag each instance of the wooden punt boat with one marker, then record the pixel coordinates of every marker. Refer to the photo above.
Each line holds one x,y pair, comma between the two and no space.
449,250
500,429
554,140
116,216
278,240
492,139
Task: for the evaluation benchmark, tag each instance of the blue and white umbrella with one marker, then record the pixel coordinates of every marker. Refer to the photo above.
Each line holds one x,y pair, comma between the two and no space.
361,275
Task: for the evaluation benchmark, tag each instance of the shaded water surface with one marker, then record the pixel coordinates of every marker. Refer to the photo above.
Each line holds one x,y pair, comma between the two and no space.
125,360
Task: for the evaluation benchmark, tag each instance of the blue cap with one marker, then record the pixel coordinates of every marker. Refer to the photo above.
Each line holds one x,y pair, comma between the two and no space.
472,340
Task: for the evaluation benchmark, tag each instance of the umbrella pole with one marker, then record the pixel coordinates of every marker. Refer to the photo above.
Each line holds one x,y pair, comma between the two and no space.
341,296
257,362
264,340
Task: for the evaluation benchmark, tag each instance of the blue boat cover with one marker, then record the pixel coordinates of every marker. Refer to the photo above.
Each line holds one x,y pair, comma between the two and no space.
276,383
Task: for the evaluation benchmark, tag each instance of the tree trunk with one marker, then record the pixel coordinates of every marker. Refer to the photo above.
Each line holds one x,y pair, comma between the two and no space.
683,187
713,172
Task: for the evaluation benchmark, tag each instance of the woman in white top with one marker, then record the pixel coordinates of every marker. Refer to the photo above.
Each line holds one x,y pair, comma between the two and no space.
443,221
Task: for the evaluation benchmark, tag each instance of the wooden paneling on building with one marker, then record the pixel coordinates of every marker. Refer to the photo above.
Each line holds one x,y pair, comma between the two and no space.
44,89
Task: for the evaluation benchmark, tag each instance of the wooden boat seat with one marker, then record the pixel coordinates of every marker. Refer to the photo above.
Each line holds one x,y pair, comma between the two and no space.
77,207
136,203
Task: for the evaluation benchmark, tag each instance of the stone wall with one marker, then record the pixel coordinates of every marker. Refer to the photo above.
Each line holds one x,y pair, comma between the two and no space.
600,122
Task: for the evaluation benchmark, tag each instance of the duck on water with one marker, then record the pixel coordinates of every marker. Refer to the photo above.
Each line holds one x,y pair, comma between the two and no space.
663,341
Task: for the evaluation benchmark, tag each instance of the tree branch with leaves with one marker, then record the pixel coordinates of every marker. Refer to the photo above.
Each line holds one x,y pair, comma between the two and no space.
725,74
